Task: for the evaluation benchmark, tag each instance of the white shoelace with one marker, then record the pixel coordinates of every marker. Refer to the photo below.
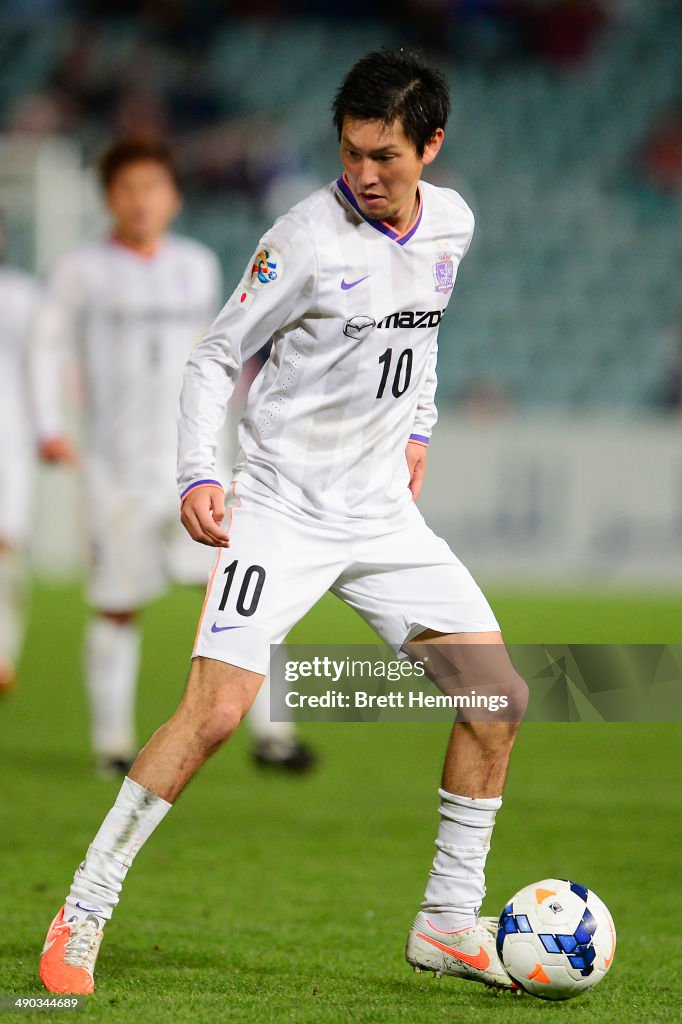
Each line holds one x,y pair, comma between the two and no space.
83,946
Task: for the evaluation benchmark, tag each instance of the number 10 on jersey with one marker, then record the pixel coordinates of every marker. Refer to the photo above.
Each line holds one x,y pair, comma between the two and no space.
401,374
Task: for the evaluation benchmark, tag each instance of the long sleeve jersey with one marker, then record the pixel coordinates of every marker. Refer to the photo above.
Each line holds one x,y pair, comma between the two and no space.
352,309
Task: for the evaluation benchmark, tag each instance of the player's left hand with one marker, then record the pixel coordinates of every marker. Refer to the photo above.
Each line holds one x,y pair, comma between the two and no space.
416,463
58,450
202,513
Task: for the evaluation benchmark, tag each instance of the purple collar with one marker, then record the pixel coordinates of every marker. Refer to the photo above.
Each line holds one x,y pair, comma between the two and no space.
380,225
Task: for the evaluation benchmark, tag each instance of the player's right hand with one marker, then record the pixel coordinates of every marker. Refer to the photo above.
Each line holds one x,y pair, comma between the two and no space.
58,449
202,513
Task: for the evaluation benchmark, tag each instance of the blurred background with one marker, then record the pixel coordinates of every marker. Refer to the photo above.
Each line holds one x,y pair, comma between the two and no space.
559,452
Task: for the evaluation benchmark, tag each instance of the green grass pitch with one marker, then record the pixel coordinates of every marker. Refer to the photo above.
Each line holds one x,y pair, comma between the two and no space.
268,899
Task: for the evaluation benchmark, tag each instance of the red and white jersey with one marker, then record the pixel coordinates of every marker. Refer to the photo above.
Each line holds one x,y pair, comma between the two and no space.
130,321
353,310
19,294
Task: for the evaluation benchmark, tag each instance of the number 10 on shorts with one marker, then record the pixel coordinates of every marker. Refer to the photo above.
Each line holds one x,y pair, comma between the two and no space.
250,588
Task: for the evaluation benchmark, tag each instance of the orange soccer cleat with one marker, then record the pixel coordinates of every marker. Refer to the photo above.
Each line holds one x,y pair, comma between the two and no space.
67,962
469,953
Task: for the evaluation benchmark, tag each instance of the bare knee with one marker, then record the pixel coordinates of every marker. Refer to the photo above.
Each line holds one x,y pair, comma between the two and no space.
493,729
483,681
215,701
515,688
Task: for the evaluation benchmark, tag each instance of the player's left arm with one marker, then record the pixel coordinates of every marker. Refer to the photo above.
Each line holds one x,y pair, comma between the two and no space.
427,414
424,422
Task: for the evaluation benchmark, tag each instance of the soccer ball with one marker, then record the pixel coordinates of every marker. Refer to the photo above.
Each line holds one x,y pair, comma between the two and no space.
556,938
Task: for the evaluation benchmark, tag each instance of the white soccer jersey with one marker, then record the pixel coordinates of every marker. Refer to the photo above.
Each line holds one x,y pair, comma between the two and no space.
18,296
133,320
353,309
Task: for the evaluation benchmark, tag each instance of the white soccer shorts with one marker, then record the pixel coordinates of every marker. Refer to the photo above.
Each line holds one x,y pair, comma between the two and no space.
138,545
16,479
398,575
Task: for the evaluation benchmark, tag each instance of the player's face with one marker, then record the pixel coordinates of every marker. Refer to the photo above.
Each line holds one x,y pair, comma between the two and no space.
383,169
143,200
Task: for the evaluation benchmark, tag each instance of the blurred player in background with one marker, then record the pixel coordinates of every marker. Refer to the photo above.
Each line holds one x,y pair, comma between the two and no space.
18,297
127,309
351,286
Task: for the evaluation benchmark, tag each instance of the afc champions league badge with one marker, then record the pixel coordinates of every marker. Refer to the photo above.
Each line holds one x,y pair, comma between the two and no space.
267,267
444,272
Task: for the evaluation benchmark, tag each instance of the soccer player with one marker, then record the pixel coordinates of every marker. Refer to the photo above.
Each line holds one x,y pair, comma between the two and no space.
350,285
18,296
133,303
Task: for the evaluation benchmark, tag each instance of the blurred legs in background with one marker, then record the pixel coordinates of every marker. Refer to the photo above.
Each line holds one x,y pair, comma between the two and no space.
12,612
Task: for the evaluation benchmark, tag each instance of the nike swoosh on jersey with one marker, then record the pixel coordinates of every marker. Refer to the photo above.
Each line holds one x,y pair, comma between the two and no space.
221,629
347,285
481,960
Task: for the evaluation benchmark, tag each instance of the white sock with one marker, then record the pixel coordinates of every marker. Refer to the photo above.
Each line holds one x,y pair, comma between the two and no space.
456,884
12,599
280,734
112,659
127,826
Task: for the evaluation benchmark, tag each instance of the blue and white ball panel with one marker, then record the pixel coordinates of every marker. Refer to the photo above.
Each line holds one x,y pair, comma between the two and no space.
556,938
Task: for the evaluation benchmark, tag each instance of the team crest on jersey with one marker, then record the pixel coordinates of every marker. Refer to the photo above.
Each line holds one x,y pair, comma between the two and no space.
267,268
444,272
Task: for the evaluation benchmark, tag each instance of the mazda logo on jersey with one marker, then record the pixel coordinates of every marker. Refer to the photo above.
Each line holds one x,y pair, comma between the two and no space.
357,326
413,318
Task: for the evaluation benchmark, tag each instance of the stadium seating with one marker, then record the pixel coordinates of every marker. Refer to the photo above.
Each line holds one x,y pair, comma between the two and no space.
570,292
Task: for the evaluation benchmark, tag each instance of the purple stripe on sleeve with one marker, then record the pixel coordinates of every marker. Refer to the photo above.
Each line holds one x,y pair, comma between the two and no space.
420,437
200,483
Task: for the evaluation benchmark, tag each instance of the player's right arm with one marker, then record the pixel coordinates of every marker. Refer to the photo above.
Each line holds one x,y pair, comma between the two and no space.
275,291
55,326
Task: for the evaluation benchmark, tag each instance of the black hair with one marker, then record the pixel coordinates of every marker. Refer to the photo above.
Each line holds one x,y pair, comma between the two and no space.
132,151
391,85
